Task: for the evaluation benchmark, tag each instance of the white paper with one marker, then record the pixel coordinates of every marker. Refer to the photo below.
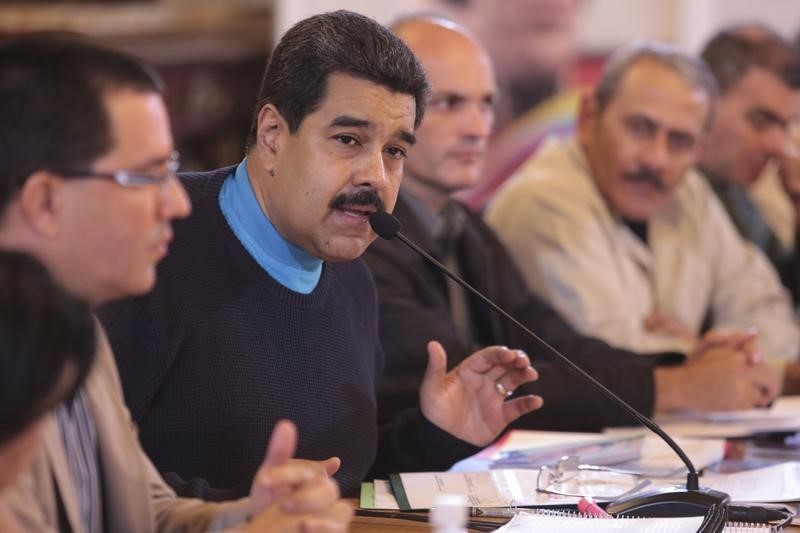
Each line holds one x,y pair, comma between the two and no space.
506,488
527,522
497,488
653,456
659,460
784,408
546,447
384,497
784,415
774,484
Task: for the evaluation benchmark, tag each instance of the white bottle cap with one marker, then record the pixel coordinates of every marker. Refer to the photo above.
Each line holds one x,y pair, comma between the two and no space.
449,513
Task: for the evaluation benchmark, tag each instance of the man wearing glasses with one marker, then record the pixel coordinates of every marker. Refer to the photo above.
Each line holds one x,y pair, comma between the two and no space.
130,178
87,187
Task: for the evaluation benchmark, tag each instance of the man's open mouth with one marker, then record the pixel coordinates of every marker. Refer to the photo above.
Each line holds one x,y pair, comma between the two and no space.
357,210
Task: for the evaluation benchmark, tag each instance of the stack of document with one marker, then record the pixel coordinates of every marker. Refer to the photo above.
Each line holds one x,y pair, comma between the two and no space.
772,484
498,488
517,488
633,450
659,460
505,474
486,484
531,449
784,415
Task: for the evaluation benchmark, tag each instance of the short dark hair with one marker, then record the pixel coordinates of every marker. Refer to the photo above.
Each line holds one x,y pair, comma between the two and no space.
693,71
52,109
42,331
296,76
732,52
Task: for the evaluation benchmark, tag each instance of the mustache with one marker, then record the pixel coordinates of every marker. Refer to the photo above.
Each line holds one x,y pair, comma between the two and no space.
646,175
367,197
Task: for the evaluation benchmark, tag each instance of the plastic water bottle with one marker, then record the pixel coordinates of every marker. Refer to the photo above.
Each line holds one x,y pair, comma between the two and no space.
449,514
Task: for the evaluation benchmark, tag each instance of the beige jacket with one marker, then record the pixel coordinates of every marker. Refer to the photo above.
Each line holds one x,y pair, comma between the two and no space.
576,254
135,497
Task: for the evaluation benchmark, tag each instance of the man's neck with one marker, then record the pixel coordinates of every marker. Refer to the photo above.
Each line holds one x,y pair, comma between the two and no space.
290,265
255,173
70,273
68,277
431,197
705,164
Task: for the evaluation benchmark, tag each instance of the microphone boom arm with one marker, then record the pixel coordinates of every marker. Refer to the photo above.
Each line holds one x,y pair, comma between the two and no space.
692,480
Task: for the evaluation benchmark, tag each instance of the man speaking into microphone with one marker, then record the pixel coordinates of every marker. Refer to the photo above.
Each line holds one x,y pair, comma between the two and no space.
263,309
418,303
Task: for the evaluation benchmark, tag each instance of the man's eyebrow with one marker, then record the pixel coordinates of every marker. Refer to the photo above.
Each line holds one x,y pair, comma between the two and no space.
346,121
683,134
770,115
408,137
153,162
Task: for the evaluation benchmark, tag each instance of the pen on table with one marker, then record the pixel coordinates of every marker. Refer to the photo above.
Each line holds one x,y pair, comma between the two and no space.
587,506
494,512
420,517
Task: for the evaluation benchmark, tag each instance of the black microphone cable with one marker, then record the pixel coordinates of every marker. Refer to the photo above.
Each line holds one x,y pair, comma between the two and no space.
755,514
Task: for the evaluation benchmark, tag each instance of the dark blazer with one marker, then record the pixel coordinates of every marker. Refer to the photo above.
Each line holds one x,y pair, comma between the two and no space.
414,309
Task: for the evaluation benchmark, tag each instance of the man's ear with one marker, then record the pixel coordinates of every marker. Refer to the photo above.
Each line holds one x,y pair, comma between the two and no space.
272,128
588,107
40,202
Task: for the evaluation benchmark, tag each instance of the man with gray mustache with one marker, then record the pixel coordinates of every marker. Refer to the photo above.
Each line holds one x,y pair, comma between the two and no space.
623,237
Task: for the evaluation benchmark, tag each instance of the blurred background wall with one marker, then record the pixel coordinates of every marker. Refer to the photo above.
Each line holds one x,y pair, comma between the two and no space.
602,24
212,52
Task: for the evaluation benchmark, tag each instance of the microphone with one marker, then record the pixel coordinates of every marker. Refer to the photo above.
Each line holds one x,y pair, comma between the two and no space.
664,502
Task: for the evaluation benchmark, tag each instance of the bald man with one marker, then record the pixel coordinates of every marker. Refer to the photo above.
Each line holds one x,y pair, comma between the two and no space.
533,45
418,304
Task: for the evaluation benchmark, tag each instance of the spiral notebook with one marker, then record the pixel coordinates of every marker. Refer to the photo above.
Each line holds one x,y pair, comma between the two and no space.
545,521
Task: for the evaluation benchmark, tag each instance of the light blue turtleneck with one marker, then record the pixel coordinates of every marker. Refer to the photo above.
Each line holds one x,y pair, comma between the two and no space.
291,266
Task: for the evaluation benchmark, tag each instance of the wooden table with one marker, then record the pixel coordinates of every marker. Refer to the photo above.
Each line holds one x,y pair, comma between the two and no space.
364,523
387,525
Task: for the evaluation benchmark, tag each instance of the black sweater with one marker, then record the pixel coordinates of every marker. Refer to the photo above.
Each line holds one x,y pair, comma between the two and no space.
219,352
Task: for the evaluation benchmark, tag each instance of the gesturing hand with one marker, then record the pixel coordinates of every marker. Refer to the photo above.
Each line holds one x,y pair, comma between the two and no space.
295,495
469,401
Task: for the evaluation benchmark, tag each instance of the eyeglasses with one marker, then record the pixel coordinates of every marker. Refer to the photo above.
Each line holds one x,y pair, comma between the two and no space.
128,178
570,478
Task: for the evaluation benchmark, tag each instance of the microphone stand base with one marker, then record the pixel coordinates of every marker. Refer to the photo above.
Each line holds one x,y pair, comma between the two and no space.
669,502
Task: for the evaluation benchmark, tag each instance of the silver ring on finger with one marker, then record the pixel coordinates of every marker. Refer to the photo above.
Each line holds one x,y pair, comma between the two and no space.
502,390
